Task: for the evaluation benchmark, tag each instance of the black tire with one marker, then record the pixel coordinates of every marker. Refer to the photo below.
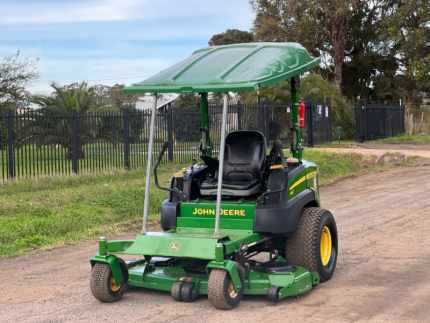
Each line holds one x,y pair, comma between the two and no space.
303,247
175,291
221,292
273,294
103,286
188,292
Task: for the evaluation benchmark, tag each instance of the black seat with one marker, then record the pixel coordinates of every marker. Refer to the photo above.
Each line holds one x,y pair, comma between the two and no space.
244,161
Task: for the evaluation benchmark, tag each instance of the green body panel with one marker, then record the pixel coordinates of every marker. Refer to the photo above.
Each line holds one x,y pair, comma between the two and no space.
237,67
167,244
201,214
306,179
197,243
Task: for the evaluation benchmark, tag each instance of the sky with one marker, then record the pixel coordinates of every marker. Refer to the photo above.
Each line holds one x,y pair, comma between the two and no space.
112,41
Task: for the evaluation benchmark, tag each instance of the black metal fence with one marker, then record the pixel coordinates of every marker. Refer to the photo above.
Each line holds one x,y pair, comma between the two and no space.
375,121
49,142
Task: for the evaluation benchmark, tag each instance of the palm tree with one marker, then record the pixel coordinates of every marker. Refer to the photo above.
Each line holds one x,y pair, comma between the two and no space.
61,115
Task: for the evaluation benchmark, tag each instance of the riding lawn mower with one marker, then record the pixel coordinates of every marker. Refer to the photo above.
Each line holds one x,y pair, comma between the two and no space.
224,213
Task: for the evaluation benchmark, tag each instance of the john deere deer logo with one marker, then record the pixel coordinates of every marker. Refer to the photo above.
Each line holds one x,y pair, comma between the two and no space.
174,246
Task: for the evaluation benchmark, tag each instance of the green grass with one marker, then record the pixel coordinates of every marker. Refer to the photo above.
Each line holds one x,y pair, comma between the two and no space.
335,166
55,211
406,139
59,210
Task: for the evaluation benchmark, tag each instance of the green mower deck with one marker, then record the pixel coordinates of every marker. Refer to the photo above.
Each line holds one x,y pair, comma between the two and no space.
194,253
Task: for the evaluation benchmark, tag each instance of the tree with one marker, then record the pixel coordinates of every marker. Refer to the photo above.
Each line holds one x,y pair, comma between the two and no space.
321,26
231,36
15,73
407,33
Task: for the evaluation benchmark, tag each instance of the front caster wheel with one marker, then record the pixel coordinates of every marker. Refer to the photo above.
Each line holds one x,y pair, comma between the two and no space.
221,291
273,294
188,292
175,291
184,292
103,285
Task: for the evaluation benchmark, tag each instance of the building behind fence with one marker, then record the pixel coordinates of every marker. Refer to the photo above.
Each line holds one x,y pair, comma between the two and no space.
49,142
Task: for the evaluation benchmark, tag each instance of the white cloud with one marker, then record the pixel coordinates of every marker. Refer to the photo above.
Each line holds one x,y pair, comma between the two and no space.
95,71
65,11
54,12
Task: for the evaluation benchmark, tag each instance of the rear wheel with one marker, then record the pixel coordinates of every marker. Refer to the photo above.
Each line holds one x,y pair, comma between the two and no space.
221,291
103,285
314,245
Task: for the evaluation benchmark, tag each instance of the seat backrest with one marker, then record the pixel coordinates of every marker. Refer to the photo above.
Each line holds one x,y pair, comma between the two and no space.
245,153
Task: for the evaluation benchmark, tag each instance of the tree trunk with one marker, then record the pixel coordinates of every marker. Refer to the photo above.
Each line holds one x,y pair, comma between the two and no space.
338,43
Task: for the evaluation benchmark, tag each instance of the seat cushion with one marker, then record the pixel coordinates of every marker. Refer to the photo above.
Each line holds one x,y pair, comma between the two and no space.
244,164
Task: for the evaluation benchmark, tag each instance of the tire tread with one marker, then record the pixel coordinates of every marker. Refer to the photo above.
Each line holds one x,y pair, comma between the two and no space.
100,280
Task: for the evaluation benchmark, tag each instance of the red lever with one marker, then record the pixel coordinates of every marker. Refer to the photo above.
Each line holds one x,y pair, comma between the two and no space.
301,114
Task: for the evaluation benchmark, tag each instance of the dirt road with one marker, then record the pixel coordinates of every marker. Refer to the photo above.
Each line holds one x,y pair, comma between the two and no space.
383,270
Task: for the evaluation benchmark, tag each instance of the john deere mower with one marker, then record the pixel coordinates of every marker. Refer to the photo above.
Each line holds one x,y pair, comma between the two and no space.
246,222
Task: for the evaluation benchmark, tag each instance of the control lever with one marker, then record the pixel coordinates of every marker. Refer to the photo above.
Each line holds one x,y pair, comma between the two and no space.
157,184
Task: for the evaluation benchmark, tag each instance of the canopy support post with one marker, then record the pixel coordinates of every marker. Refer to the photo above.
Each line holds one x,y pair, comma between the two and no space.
149,165
296,132
221,167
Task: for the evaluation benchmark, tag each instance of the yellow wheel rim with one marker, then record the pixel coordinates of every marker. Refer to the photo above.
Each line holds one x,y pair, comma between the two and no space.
114,287
231,290
325,245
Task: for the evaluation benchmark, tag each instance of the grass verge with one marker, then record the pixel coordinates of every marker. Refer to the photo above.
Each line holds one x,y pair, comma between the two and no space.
60,210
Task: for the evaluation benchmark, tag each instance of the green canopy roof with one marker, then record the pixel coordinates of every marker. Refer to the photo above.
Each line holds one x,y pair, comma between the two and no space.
237,67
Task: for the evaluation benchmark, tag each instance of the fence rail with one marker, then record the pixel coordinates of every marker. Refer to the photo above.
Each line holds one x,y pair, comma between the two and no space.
50,142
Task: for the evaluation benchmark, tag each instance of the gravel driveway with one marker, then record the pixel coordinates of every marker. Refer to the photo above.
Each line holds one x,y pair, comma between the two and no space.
382,275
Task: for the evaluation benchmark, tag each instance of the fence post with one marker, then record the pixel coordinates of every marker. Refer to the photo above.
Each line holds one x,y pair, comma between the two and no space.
126,124
239,115
75,142
330,120
170,132
265,110
361,112
358,124
10,142
310,123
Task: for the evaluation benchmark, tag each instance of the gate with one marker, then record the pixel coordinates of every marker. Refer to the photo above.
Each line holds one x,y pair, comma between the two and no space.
376,121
